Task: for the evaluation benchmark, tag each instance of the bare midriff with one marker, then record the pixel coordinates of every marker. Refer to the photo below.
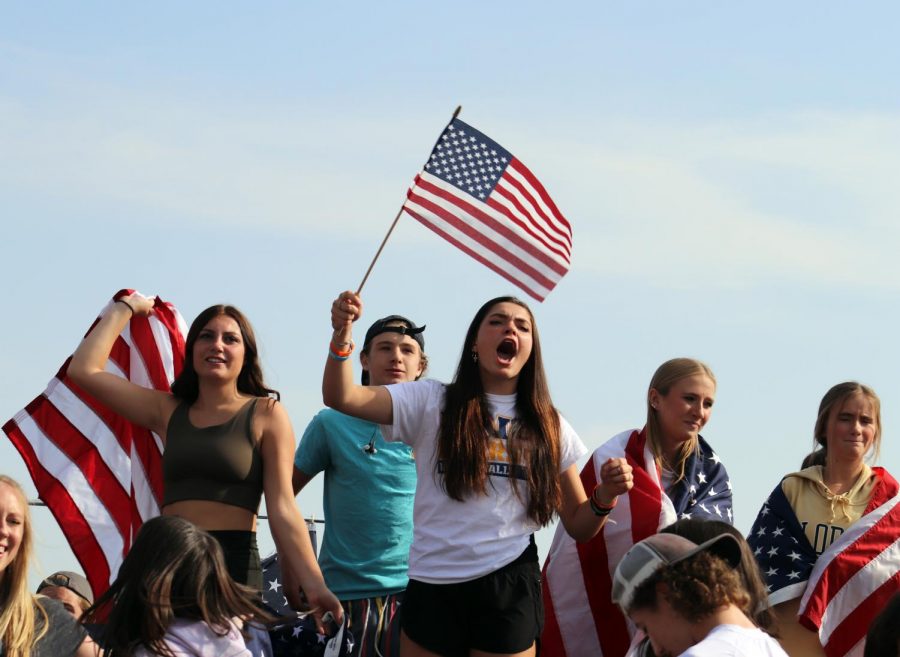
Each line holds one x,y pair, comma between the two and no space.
213,516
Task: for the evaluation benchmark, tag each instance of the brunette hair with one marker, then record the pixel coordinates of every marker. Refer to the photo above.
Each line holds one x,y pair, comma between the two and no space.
700,531
695,587
667,375
173,570
250,380
835,398
533,437
18,611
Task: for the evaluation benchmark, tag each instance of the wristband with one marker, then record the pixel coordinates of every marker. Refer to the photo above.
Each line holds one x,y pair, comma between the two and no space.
598,510
601,509
340,354
130,307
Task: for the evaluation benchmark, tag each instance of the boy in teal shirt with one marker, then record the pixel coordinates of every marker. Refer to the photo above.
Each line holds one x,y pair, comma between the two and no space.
369,491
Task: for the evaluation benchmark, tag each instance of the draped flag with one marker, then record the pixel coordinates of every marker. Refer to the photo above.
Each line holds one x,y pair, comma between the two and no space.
846,586
581,618
100,475
477,196
298,637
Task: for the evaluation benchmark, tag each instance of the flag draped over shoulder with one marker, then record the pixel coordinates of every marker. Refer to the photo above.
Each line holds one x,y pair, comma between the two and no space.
100,475
477,196
577,583
845,587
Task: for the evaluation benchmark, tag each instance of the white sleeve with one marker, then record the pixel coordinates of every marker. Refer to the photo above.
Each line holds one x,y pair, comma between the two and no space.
417,407
570,446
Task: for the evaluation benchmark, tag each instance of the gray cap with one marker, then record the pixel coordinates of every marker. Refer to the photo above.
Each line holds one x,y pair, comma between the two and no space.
648,556
76,583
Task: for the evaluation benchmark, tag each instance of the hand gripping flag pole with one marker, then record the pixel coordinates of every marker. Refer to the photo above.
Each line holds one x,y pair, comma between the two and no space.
396,219
476,195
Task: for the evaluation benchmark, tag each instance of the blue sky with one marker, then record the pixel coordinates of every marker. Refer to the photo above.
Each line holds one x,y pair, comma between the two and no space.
729,173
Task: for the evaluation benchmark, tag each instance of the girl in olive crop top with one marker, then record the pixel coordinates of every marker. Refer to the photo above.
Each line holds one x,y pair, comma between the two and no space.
222,428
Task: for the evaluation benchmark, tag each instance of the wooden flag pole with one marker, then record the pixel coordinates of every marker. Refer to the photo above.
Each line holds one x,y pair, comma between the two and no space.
397,218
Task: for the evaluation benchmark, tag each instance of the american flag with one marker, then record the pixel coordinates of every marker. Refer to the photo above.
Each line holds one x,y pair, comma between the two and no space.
298,637
100,475
580,616
846,586
477,196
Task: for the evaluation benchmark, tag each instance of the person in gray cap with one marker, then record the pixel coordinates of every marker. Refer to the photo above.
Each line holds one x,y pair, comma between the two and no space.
689,598
369,490
70,589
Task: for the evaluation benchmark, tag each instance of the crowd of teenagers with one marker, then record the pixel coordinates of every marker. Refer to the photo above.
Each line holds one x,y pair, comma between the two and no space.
432,495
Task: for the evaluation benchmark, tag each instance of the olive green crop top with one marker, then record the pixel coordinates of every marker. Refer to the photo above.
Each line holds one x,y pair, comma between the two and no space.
220,463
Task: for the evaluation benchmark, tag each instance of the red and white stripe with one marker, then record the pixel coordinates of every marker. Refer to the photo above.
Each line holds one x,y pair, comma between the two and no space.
100,475
854,578
581,618
517,231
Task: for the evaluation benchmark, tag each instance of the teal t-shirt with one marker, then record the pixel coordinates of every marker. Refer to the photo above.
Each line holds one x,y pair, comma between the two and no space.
368,504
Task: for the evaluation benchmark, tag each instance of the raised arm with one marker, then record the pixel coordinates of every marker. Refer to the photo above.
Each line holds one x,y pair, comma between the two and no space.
295,550
372,403
145,407
577,514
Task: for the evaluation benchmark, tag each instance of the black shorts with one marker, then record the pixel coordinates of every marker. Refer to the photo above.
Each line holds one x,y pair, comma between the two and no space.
501,612
241,556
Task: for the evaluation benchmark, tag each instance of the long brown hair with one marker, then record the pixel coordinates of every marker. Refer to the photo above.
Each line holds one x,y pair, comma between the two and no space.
18,612
173,570
667,375
250,379
533,439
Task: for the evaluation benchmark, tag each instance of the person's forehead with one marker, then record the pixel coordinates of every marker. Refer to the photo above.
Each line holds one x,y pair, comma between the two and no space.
60,593
509,309
225,323
857,401
393,338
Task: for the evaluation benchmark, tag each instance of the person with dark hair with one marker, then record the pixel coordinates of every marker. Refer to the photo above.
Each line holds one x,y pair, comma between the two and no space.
689,598
71,590
883,637
823,524
370,485
700,531
173,596
227,441
495,462
677,475
30,625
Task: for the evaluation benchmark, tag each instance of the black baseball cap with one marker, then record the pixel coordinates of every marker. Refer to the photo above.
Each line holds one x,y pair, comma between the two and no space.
393,324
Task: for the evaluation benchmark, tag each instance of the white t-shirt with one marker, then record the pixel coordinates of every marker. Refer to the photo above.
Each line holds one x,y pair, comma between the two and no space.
460,541
736,641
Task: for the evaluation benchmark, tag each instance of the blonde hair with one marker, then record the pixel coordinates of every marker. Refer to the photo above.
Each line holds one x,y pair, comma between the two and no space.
17,607
667,375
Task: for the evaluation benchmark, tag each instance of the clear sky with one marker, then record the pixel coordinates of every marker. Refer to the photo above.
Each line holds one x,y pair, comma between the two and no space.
729,170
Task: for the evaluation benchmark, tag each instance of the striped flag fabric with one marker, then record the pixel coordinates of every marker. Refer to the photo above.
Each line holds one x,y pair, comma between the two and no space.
100,475
580,617
477,196
845,587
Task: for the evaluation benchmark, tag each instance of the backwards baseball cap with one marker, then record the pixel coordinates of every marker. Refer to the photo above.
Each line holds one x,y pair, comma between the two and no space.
76,583
407,327
654,552
393,324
